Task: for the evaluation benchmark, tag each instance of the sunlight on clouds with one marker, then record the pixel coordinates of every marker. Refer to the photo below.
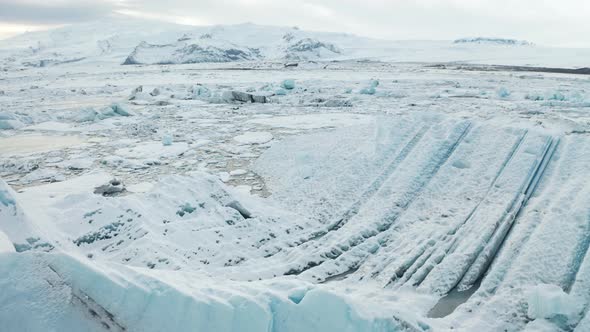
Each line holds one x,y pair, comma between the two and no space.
9,30
317,10
184,20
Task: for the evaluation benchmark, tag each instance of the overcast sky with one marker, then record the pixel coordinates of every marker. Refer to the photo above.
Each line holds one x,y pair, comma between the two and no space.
548,22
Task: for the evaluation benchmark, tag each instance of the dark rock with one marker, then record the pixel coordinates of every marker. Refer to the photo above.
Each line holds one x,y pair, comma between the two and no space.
113,188
244,97
241,209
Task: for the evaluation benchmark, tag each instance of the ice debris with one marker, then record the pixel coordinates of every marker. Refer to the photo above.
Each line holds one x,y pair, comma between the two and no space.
549,301
254,138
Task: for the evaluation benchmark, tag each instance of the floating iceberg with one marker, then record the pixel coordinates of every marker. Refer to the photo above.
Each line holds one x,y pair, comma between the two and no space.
281,92
368,91
503,92
556,95
167,139
90,114
9,121
288,84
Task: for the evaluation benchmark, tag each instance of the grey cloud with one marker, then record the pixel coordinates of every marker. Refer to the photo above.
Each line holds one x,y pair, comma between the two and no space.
400,19
47,12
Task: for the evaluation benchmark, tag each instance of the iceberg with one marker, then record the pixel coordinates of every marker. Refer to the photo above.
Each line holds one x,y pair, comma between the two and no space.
368,91
281,92
167,139
9,121
556,95
503,92
288,84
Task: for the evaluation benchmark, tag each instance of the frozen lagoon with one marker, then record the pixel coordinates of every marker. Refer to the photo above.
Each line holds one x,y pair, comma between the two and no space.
324,209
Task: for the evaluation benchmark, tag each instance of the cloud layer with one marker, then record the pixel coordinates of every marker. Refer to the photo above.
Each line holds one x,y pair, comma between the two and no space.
53,12
563,22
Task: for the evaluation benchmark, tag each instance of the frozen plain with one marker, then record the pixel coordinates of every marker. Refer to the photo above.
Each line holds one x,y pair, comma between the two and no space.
393,188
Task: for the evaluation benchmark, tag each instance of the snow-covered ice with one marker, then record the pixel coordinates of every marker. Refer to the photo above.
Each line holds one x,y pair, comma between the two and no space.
164,149
314,121
255,178
20,144
254,138
6,245
549,301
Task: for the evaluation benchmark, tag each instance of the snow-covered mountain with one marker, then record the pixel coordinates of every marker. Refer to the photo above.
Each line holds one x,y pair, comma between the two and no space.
212,48
123,40
307,48
108,40
492,41
183,52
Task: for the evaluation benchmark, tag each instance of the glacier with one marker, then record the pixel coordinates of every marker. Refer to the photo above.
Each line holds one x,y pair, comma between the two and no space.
447,180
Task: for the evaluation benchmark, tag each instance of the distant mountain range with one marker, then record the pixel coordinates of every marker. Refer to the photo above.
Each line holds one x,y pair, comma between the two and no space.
121,40
211,48
496,41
